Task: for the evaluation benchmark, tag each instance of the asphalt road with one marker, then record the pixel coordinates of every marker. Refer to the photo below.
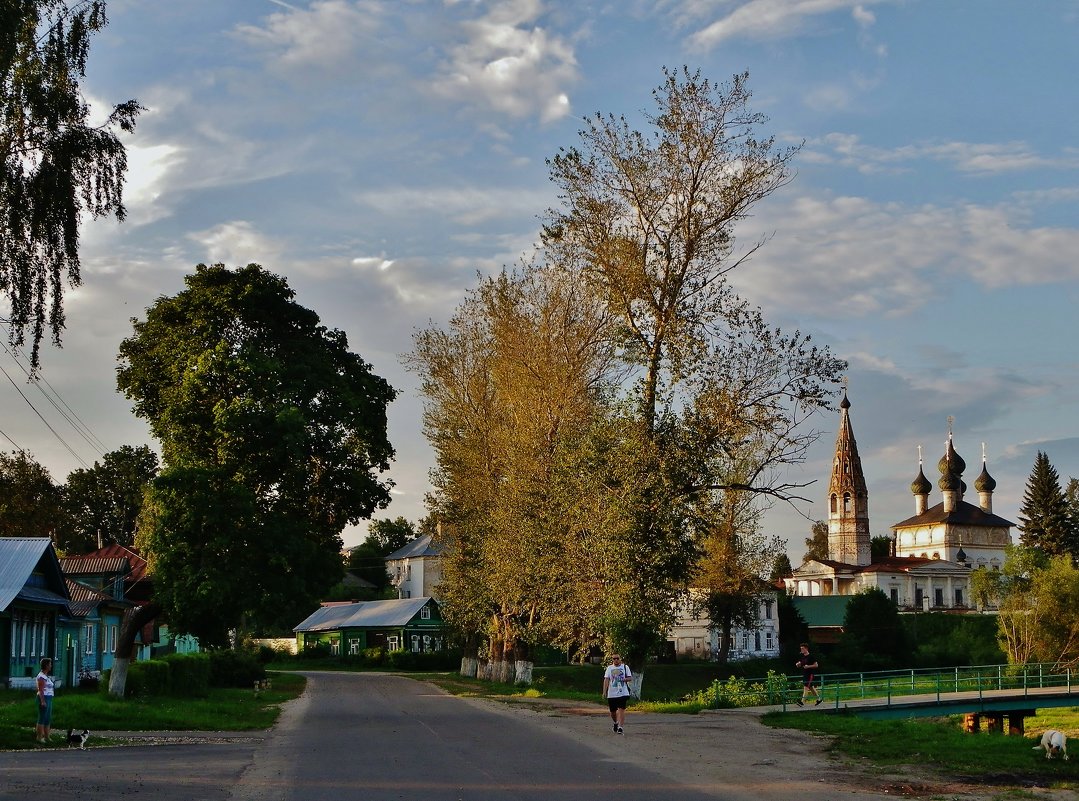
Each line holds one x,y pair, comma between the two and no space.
378,737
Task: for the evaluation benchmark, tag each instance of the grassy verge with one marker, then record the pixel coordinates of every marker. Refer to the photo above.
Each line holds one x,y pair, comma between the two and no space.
940,743
222,710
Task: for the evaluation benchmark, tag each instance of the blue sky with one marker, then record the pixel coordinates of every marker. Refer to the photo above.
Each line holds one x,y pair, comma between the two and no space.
380,153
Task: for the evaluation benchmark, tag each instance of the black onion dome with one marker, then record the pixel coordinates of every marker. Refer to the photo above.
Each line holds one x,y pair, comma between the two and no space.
844,404
985,482
961,556
920,485
949,481
951,461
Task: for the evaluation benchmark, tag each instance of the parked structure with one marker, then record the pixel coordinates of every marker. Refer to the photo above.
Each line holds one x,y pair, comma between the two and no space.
408,624
693,637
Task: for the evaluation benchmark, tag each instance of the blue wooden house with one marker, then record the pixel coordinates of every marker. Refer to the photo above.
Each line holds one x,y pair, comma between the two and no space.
35,619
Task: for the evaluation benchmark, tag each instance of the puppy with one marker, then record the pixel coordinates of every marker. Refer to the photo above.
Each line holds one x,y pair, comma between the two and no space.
1054,743
78,738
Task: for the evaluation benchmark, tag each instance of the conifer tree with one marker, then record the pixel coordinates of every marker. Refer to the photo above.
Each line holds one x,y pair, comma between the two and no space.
1043,515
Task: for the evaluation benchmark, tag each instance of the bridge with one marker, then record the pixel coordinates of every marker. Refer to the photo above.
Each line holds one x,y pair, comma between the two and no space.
995,692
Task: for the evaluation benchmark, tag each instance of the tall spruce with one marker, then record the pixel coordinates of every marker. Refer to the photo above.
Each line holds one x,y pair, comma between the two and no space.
1043,515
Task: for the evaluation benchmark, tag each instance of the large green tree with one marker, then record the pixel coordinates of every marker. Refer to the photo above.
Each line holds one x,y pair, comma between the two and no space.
29,499
1043,514
54,165
104,501
817,542
272,437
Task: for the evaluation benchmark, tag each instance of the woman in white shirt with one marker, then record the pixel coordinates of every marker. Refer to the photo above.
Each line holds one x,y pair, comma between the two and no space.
44,700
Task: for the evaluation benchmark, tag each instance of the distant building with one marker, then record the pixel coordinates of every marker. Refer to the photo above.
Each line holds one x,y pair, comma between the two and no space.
693,637
932,553
416,569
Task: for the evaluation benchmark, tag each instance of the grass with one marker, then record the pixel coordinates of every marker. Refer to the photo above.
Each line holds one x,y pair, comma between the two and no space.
222,710
941,744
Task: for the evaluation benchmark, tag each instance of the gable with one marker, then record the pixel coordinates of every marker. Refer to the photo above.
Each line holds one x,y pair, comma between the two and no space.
20,559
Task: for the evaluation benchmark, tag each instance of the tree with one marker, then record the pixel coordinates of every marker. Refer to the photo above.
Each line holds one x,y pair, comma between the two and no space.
648,223
29,500
781,567
1043,514
1071,498
272,435
56,166
390,535
873,637
880,548
103,502
817,542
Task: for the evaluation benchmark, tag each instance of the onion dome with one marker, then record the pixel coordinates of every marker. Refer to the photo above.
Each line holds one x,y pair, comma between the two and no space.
844,404
951,462
949,482
961,556
920,485
985,482
962,487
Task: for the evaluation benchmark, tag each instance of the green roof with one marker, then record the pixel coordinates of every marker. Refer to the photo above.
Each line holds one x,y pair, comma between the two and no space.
822,610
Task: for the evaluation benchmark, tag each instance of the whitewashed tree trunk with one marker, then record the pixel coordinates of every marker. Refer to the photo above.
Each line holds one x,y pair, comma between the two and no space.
636,682
469,666
484,670
118,676
523,670
500,671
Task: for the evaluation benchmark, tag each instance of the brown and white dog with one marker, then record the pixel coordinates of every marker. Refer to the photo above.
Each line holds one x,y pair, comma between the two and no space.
1054,743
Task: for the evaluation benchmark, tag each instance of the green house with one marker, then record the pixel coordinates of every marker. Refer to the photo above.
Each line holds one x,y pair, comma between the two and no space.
407,624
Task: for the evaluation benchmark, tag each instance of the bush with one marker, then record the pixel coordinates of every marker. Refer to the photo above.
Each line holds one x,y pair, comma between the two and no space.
189,674
429,660
230,668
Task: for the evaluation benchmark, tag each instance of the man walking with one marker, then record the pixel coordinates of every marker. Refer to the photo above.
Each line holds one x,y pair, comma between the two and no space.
809,666
616,690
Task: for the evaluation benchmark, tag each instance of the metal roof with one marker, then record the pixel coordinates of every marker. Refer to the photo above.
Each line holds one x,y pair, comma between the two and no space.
92,565
421,546
964,514
19,557
363,614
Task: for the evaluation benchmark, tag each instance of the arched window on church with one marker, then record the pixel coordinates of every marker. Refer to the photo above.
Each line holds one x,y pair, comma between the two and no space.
846,503
833,504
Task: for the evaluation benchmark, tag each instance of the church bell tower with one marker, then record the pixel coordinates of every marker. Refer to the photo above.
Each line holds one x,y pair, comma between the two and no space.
848,499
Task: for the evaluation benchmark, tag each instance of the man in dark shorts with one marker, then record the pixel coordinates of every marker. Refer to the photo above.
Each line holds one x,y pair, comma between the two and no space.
616,690
809,666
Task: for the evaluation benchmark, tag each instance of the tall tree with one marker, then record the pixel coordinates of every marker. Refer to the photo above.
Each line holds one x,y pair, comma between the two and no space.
29,499
1071,498
390,535
103,502
56,166
781,567
817,542
1043,514
272,436
648,223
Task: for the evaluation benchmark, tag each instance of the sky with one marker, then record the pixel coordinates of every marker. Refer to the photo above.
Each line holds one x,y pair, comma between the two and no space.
380,154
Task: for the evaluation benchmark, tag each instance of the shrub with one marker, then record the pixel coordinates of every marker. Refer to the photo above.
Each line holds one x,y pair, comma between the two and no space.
230,668
429,660
189,674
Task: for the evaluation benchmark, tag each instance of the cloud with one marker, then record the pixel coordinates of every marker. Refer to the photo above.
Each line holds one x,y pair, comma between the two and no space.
769,19
509,64
465,205
892,259
969,157
236,244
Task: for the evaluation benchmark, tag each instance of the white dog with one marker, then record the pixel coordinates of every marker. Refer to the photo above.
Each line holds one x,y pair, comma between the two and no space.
1053,743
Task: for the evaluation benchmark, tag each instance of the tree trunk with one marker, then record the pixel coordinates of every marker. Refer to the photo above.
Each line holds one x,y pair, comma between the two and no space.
134,620
636,683
469,666
523,671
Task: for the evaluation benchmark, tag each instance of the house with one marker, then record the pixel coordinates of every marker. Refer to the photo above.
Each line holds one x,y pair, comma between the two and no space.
35,619
416,569
692,636
931,555
109,581
413,624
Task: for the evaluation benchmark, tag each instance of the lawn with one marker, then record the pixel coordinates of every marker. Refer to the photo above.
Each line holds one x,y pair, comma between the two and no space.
221,710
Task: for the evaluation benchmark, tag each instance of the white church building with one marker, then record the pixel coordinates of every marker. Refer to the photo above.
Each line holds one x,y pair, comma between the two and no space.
932,553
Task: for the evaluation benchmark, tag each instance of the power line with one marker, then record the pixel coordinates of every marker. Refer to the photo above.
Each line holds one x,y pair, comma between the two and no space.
48,425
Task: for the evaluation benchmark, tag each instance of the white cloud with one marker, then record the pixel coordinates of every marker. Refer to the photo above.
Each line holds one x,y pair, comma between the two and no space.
466,205
236,244
770,19
324,36
508,63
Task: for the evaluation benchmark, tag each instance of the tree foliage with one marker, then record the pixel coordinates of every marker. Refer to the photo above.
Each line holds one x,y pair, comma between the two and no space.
584,449
272,435
29,499
56,166
102,503
817,542
1043,515
873,637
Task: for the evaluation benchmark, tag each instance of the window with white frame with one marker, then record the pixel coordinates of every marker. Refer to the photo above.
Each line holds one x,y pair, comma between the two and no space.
112,639
768,610
425,613
353,646
768,640
33,637
335,647
416,643
393,643
88,638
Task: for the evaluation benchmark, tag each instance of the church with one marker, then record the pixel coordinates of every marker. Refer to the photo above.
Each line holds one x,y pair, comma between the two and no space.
931,555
